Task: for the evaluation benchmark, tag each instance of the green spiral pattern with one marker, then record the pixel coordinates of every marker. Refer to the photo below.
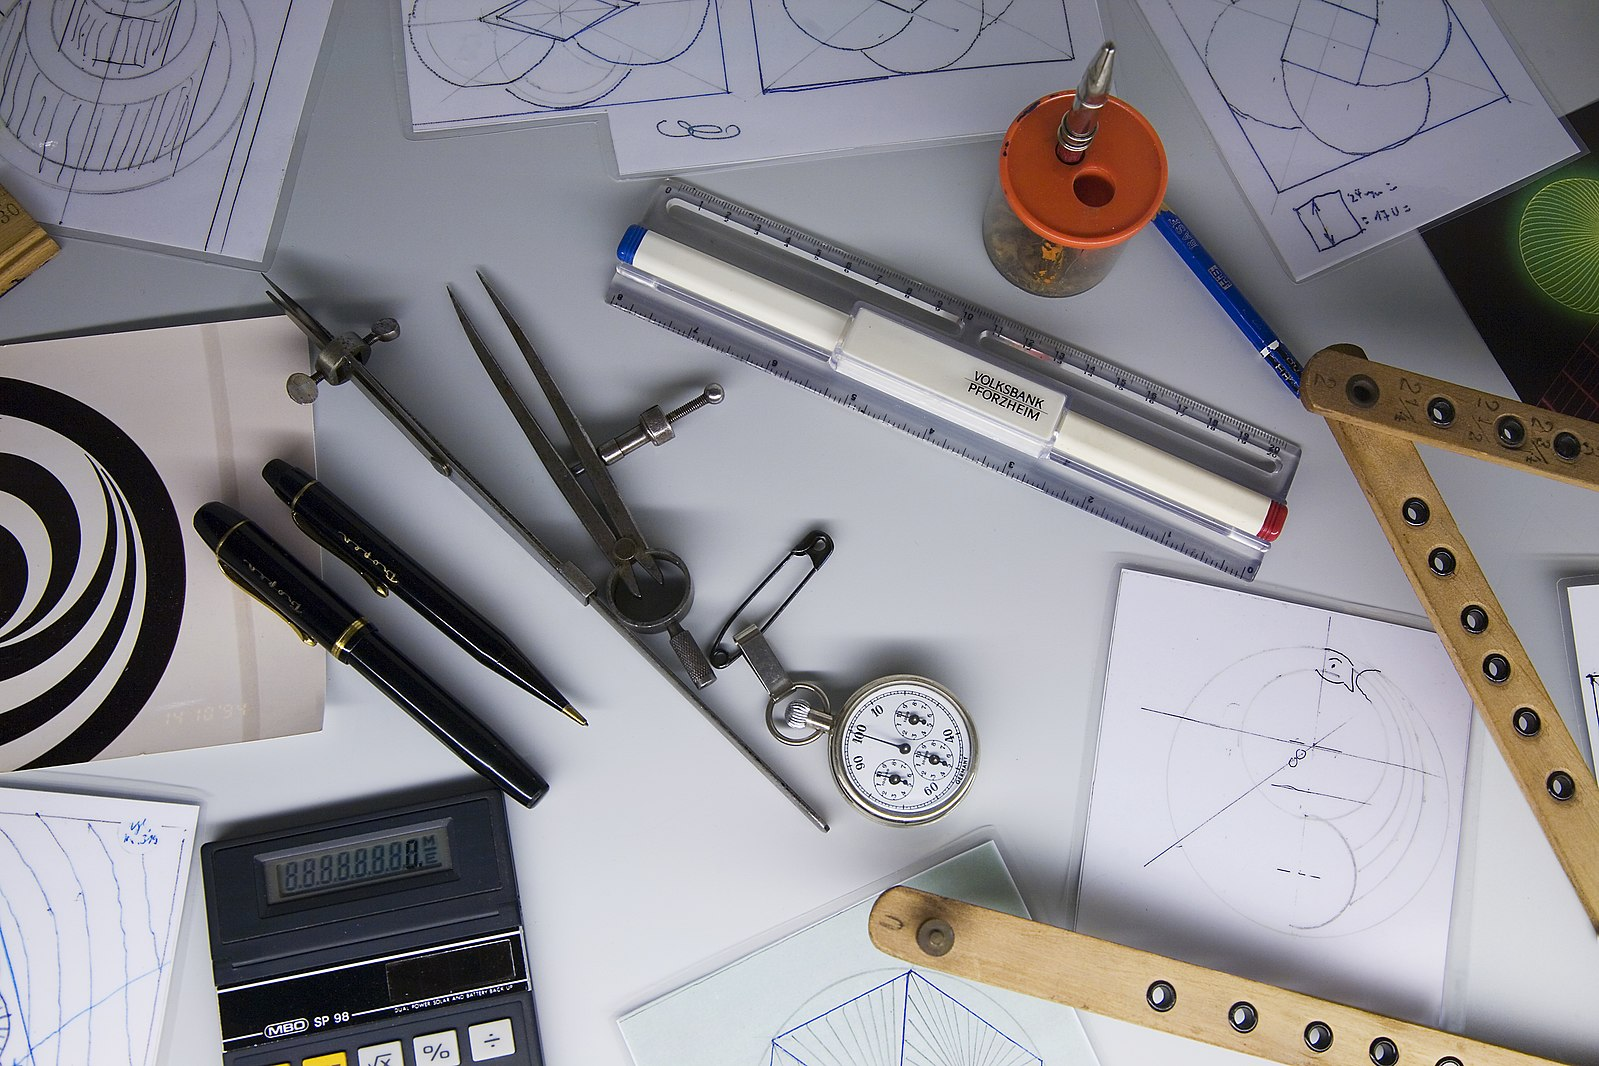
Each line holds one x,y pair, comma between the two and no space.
1559,237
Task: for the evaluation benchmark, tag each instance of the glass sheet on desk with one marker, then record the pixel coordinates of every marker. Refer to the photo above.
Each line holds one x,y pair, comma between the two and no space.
693,83
825,996
1347,125
1278,794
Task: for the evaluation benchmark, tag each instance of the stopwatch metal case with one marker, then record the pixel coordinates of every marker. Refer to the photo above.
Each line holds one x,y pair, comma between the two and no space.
916,754
798,713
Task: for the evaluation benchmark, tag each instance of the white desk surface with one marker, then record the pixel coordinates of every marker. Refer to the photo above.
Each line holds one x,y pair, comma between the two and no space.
658,847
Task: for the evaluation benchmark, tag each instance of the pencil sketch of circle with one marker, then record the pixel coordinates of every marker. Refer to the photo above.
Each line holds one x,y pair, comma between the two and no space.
901,38
1356,83
558,56
100,98
1310,790
5,1024
91,553
1559,236
464,45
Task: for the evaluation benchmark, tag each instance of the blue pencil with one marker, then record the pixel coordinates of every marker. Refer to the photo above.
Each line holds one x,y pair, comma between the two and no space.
1220,286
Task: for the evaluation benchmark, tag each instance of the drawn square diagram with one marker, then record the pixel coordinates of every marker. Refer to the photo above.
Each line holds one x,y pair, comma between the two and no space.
558,22
470,61
811,44
1315,85
1409,111
1328,220
1331,38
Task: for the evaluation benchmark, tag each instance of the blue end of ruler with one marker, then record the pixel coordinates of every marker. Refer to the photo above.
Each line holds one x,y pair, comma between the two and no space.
630,243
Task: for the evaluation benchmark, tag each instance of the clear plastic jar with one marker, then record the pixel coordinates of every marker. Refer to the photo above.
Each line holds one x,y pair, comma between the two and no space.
1054,228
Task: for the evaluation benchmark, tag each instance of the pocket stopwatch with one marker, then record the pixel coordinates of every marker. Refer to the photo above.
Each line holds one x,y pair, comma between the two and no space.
902,748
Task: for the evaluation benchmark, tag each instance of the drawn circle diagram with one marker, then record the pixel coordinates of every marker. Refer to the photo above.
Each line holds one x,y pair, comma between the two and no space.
1313,85
900,1017
5,1024
1337,777
1559,235
103,98
900,38
1356,83
92,568
558,55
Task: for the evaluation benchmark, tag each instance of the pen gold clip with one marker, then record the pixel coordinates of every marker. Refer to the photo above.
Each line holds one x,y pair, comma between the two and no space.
327,543
234,576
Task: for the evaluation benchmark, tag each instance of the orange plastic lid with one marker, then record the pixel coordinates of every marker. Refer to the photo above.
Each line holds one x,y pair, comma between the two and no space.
1101,201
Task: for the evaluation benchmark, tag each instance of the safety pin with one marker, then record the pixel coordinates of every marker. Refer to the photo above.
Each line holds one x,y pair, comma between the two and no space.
815,546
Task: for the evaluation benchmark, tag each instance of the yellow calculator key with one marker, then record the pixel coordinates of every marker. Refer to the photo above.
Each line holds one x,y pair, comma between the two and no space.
336,1058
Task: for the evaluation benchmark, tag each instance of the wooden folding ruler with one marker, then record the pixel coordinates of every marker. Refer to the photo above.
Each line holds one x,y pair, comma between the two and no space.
1157,992
24,245
1376,413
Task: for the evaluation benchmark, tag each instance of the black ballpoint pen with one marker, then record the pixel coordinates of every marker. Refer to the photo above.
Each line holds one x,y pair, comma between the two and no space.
256,563
342,532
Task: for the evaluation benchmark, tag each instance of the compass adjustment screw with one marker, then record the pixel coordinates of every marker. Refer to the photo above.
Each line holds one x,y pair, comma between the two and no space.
655,426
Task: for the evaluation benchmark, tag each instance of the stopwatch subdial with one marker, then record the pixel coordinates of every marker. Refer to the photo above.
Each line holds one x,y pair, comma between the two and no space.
934,759
914,719
893,779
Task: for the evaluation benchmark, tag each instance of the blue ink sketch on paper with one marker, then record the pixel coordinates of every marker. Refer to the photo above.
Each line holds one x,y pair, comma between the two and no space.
90,905
1314,85
907,1021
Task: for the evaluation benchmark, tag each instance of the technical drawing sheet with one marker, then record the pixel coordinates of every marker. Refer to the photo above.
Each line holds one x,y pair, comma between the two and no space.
1350,123
168,124
1278,794
824,996
695,83
91,900
1582,621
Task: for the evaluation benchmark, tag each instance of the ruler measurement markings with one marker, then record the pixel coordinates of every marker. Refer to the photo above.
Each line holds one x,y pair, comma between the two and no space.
1084,500
1271,458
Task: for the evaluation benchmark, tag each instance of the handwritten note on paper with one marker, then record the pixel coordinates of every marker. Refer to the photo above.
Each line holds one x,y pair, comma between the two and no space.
694,83
1347,125
1278,794
91,895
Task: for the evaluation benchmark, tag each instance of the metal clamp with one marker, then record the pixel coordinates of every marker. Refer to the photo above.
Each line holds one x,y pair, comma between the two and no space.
797,712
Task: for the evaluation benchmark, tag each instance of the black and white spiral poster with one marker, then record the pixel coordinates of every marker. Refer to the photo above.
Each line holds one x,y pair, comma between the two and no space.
117,635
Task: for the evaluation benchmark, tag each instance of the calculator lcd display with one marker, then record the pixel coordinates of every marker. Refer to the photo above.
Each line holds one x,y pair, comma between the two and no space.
333,866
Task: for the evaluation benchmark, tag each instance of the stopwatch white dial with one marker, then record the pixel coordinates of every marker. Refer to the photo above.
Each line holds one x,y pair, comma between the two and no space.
903,749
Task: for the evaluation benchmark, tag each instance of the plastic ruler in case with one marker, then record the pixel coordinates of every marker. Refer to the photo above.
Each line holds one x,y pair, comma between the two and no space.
1034,408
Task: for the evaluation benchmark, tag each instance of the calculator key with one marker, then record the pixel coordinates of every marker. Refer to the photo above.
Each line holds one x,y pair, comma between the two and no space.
491,1040
436,1049
391,1053
334,1058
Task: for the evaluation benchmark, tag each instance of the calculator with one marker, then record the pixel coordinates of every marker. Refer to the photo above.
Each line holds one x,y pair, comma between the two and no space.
385,938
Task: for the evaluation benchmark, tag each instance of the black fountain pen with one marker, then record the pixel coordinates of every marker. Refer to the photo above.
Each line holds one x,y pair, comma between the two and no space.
257,564
334,525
